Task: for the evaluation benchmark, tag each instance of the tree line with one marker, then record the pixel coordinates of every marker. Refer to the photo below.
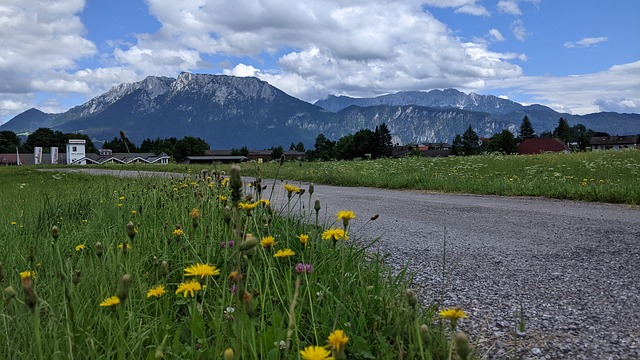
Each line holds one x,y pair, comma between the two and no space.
506,142
364,143
47,138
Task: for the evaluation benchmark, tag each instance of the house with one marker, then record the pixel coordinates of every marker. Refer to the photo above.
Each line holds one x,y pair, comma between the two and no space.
615,142
226,156
541,145
426,149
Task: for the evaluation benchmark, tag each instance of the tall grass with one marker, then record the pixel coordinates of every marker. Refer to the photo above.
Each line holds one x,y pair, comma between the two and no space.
257,307
605,176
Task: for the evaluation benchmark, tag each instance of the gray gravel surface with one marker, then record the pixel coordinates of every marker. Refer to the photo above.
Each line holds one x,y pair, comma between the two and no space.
572,269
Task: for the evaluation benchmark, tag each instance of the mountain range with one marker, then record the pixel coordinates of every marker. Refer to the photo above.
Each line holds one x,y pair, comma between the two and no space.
229,111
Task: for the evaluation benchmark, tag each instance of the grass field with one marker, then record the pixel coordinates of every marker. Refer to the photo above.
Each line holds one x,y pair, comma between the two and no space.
604,176
102,267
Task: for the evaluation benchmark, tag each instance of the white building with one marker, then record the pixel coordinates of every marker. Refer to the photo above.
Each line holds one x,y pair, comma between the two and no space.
76,152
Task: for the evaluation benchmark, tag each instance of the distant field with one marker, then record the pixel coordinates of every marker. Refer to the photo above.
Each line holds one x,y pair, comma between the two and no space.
604,176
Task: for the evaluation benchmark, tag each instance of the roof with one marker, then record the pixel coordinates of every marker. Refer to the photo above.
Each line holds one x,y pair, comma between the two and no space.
124,158
615,140
540,145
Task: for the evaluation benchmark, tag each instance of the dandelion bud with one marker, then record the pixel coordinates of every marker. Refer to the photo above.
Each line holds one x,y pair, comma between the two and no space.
411,298
99,249
424,334
281,159
131,230
55,232
228,354
123,287
30,297
154,260
316,205
164,268
226,214
462,345
236,184
311,189
249,243
9,293
76,277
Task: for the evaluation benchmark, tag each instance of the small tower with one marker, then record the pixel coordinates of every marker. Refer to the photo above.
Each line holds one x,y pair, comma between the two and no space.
76,152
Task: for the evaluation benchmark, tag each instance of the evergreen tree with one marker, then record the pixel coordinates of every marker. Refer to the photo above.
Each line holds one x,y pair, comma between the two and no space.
344,149
503,142
300,147
384,144
526,129
470,142
117,145
563,131
456,146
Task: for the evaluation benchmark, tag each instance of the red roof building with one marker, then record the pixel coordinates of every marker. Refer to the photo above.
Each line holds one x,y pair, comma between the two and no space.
541,145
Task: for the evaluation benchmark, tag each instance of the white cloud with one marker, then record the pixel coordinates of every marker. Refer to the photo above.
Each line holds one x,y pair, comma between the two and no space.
242,70
586,42
615,89
509,7
473,9
496,35
40,38
519,30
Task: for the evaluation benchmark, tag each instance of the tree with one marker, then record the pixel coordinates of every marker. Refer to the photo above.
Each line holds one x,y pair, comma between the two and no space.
384,143
526,129
118,145
344,148
243,151
9,141
364,144
190,146
563,131
456,146
276,153
44,137
300,147
159,146
503,142
323,148
470,142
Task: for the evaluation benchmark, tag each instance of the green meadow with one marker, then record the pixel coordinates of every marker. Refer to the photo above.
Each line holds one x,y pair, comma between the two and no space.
205,267
603,176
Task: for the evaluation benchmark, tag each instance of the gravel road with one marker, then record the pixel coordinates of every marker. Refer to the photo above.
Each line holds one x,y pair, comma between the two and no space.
571,268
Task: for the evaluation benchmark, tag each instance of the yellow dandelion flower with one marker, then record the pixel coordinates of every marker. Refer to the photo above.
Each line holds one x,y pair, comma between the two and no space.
157,291
314,352
222,198
264,202
189,288
110,302
248,206
119,205
194,213
27,274
121,198
201,270
337,340
268,241
124,246
292,188
14,223
335,234
345,215
304,239
177,232
224,182
284,253
133,212
453,313
80,247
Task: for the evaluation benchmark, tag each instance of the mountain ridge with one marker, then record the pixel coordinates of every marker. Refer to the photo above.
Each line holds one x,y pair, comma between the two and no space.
229,111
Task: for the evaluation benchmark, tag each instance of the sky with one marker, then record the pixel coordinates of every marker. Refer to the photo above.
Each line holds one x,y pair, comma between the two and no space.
575,56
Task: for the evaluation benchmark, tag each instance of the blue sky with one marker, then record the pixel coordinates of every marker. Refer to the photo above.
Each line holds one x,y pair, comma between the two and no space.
576,56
